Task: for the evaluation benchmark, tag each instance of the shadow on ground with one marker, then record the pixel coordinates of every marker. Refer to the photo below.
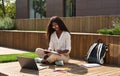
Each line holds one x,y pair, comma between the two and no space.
33,72
70,68
76,69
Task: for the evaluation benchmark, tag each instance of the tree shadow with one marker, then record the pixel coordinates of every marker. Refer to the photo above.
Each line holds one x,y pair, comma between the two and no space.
70,68
76,69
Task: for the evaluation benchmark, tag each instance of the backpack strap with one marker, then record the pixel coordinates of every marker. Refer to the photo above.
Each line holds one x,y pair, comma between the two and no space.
99,41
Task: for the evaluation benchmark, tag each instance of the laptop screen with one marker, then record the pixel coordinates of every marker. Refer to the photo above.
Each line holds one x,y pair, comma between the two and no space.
27,63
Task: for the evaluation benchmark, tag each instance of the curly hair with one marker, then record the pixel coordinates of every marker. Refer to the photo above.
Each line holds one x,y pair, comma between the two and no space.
60,23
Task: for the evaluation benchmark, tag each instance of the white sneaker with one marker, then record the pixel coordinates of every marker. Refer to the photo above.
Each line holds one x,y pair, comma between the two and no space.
60,62
38,60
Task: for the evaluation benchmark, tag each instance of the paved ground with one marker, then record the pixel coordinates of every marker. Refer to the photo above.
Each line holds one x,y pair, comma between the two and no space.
4,50
71,69
12,68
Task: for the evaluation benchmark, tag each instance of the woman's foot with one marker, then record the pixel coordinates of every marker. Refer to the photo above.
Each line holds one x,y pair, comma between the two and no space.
45,57
44,62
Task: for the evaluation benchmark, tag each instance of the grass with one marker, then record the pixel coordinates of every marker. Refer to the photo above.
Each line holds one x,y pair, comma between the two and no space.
13,57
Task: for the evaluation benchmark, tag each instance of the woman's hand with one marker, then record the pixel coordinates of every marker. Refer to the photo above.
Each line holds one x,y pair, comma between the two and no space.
59,51
62,51
46,51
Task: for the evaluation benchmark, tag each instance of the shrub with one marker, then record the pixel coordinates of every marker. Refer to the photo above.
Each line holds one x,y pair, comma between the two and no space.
113,31
106,31
116,30
6,23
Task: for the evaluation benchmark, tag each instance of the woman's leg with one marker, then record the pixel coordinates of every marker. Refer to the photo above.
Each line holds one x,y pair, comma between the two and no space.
40,52
65,58
54,57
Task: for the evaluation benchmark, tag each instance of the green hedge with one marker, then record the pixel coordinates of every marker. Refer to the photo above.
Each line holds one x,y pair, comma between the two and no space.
113,31
6,23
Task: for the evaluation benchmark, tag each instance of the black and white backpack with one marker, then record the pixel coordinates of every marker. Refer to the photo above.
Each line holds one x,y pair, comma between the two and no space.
97,52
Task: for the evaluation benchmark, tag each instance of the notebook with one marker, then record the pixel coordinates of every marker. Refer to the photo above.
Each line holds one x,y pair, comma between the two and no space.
90,65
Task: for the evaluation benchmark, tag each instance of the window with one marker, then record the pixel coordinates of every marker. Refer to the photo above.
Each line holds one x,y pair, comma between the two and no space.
69,8
39,8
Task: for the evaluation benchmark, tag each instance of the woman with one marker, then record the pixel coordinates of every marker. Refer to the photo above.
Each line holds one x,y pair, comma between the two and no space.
59,41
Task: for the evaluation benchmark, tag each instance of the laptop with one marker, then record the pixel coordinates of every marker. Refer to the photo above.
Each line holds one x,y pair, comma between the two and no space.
29,63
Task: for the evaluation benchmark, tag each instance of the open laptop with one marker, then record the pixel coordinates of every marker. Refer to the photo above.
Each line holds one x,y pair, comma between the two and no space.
29,63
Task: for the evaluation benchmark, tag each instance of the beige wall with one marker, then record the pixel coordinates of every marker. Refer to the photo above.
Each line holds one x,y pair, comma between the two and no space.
86,24
81,43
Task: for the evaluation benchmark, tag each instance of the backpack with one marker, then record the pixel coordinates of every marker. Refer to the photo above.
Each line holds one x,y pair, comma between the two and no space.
96,52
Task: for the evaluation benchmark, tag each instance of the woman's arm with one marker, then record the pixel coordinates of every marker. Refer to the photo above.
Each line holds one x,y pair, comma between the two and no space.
62,51
51,44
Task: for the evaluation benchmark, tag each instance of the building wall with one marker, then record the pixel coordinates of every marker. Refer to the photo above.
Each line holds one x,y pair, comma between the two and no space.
83,8
22,9
54,7
97,7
